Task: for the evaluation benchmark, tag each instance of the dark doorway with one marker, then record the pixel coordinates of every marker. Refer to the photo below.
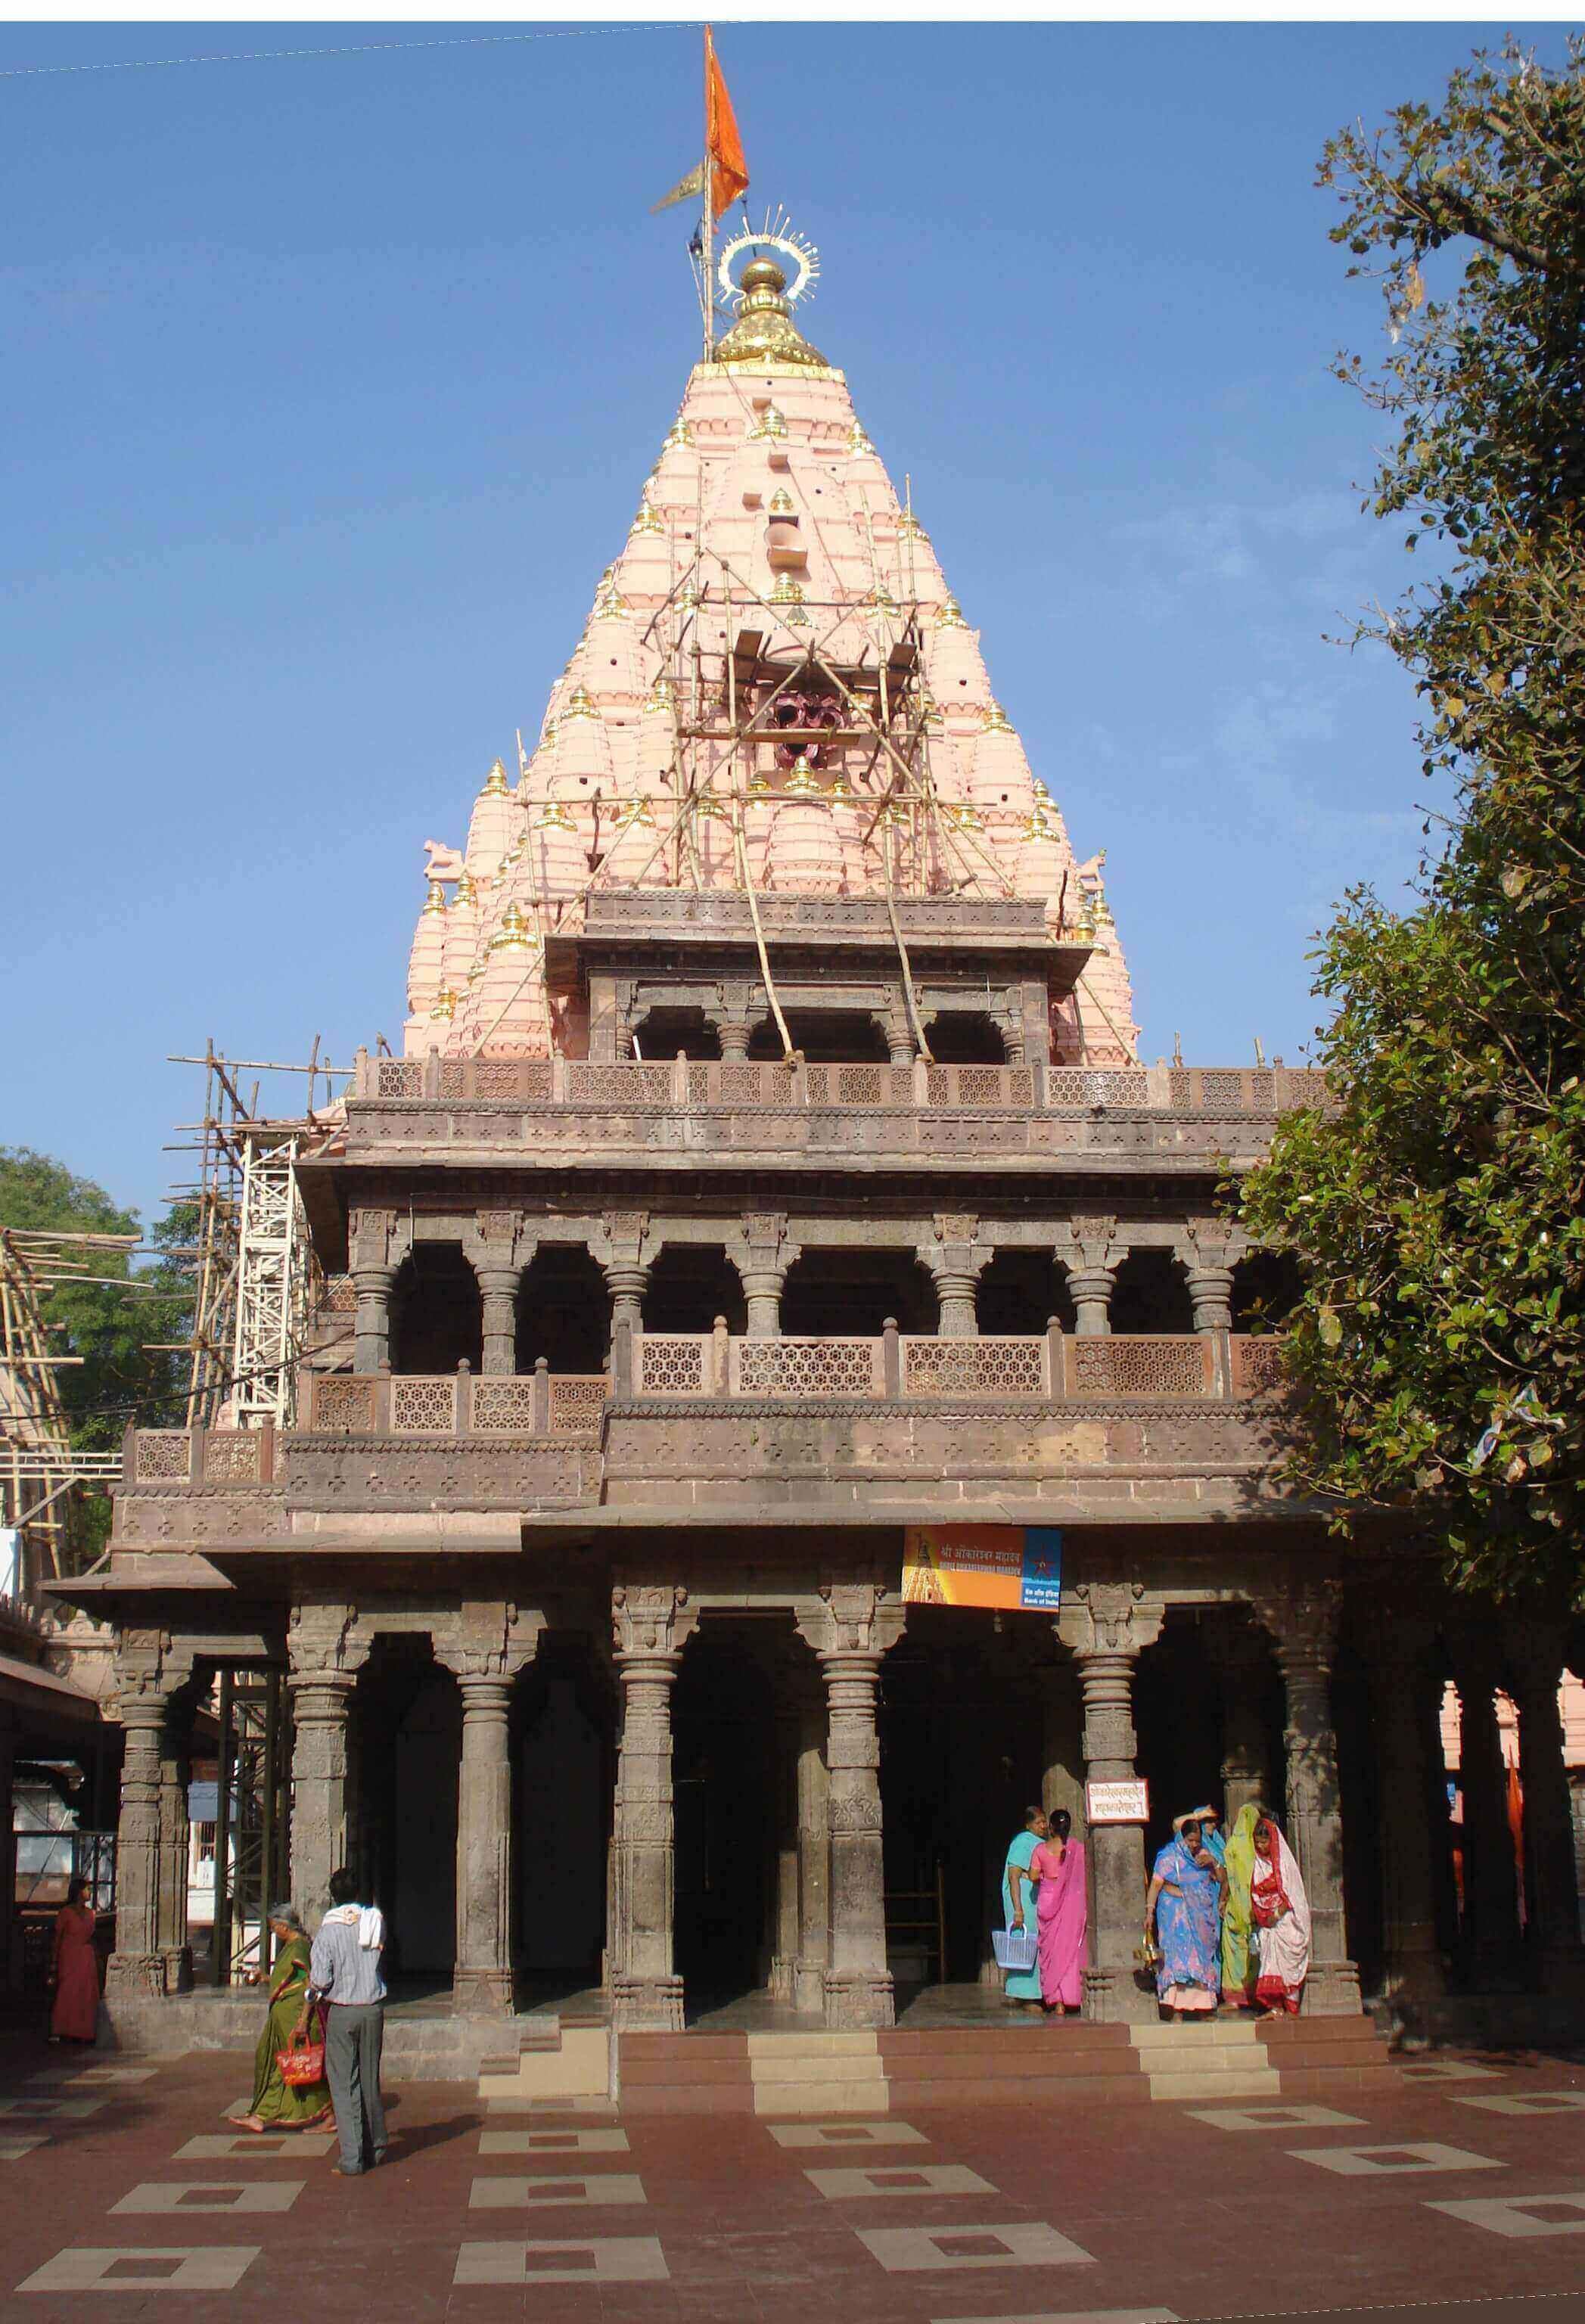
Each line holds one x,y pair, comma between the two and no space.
1267,1284
436,1315
1019,1292
563,1310
1150,1294
826,1038
690,1284
409,1746
723,1782
837,1294
563,1756
663,1032
965,1038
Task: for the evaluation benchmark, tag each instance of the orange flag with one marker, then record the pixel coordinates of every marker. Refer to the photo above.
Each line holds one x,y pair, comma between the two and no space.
729,173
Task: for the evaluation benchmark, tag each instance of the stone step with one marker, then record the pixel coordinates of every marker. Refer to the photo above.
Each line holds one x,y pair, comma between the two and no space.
1182,2089
779,2098
813,2045
1157,2058
578,2065
1042,2092
1042,2062
828,2073
1214,2032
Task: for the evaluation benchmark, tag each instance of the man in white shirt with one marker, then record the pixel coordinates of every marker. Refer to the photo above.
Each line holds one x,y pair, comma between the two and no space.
343,1971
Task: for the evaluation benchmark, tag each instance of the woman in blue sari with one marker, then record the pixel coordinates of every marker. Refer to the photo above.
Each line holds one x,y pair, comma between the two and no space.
1182,1913
1018,1889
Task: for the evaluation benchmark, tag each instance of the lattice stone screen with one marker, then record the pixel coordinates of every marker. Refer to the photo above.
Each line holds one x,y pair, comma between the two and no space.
503,1408
400,1077
1147,1364
1256,1364
340,1297
673,1363
991,1366
164,1456
1222,1088
620,1084
860,1085
807,1367
234,1456
1075,1085
577,1403
423,1407
342,1403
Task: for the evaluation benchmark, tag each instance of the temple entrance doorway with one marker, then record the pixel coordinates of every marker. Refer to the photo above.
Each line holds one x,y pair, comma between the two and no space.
407,1753
723,1786
963,1727
564,1760
1208,1715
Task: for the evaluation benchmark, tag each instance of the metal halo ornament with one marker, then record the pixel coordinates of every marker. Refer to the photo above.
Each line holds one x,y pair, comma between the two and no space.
798,253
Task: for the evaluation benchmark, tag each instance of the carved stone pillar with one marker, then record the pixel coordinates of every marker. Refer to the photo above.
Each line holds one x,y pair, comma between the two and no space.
733,1033
175,1846
1491,1886
498,1299
620,1249
146,1677
899,1043
1207,1254
851,1632
813,1857
1534,1657
485,1648
1091,1258
782,1967
955,1263
372,1328
650,1624
324,1659
1397,1649
1304,1623
762,1255
627,1283
1106,1629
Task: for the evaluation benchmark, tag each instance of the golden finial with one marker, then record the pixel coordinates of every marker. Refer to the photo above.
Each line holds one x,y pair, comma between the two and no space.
662,695
708,804
930,716
759,784
555,816
908,528
466,891
444,1003
770,426
547,732
435,901
610,605
804,783
996,720
788,595
688,599
648,523
963,816
1042,822
858,438
764,331
580,703
515,934
637,811
880,600
680,436
781,503
951,616
841,794
496,784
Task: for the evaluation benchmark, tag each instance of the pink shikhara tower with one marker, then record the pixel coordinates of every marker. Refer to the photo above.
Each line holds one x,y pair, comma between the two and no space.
775,693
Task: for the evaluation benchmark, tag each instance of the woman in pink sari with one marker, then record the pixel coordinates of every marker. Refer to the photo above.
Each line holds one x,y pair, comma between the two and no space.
1062,1908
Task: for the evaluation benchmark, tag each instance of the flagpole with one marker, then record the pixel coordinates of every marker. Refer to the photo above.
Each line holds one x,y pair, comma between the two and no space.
708,230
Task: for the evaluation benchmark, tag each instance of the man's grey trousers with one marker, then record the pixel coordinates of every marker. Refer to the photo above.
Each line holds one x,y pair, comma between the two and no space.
355,2034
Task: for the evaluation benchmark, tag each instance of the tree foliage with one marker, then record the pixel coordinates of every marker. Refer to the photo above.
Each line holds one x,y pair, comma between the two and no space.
118,1378
1439,1209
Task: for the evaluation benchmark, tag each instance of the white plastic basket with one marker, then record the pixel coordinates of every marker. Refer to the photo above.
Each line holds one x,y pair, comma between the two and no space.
1016,1948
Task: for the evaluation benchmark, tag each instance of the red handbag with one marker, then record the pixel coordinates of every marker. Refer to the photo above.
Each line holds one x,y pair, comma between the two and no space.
302,2060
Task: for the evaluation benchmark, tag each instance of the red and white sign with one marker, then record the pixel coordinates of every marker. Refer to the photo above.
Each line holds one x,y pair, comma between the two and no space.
1125,1803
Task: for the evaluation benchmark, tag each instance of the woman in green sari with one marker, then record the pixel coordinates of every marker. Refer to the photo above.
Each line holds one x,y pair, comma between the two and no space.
278,2104
1238,1864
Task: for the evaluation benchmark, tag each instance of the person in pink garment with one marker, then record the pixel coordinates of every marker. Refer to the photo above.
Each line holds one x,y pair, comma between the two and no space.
1062,1906
74,1970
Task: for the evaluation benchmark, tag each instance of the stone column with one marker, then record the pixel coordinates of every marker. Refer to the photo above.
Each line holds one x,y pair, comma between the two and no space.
813,1857
146,1677
1106,1627
762,1255
498,1299
1238,1653
1090,1256
1062,1784
955,1262
899,1044
371,1341
1534,1656
733,1032
627,1283
1303,1621
650,1623
482,1983
1211,1292
1491,1887
782,1967
1396,1649
324,1658
175,1847
850,1631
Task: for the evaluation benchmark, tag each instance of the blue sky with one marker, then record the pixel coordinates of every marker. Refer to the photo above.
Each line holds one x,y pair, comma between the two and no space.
330,386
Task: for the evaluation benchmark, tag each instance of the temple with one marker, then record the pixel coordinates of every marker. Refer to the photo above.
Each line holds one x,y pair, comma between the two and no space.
768,1182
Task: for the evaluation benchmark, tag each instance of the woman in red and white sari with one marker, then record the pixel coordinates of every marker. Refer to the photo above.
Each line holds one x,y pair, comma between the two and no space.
1279,1911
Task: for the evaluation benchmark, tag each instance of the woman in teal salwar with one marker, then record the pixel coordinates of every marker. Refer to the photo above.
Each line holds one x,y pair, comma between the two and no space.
1018,1902
278,2104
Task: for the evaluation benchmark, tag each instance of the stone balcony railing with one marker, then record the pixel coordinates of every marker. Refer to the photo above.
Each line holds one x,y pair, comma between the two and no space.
682,1083
656,1368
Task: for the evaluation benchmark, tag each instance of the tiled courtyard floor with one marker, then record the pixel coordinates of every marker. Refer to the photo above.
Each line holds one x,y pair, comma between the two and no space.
126,2196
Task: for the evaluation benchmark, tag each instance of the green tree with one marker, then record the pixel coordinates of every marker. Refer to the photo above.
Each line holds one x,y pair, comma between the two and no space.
118,1378
1439,1208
